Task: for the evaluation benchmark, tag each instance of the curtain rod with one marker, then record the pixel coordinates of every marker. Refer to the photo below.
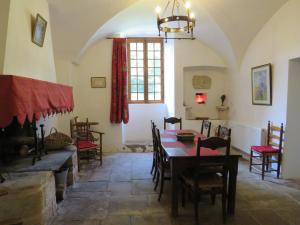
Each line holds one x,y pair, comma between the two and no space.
157,37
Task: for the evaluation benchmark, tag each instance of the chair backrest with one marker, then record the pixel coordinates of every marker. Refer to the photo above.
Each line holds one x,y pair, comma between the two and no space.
206,126
214,143
161,159
224,132
82,129
153,126
73,122
172,120
205,167
275,136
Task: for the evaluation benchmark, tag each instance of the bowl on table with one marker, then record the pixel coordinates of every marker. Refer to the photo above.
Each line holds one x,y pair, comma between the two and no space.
185,136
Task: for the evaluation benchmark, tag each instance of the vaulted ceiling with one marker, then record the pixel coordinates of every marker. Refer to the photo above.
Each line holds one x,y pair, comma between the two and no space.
228,26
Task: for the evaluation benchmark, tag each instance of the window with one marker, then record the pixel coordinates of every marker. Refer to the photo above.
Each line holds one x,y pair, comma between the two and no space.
146,66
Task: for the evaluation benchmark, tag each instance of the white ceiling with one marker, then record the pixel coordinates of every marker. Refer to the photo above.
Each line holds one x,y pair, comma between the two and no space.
228,26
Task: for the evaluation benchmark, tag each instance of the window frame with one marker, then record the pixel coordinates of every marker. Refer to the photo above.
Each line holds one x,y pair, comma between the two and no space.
145,42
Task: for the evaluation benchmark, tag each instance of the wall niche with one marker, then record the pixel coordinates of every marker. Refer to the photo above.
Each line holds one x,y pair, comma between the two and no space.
203,79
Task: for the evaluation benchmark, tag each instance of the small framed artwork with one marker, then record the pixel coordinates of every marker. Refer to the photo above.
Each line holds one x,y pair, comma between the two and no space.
262,85
98,82
39,30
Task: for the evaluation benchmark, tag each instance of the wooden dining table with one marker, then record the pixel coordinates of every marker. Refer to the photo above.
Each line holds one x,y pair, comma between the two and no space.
182,155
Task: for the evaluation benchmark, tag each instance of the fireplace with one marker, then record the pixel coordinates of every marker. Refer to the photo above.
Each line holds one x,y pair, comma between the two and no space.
20,141
27,184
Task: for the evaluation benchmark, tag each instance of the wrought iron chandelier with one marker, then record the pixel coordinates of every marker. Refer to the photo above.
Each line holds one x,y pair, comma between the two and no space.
180,19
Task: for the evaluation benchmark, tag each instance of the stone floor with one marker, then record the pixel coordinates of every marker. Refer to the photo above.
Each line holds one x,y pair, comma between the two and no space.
121,193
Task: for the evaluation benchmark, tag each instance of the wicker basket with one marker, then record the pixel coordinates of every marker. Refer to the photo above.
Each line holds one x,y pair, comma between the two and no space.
56,140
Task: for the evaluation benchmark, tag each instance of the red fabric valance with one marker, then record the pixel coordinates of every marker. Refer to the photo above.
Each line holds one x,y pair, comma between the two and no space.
23,98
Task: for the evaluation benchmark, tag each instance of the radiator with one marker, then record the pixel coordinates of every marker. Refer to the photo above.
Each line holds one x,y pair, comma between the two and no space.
244,136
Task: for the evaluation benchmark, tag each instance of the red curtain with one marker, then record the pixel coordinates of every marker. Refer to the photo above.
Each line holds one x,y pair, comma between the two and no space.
119,95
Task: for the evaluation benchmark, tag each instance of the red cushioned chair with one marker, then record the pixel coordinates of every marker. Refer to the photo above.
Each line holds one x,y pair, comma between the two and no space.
269,154
87,145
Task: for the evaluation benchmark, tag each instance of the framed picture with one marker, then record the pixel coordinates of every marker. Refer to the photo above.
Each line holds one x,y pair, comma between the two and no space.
262,85
98,82
39,30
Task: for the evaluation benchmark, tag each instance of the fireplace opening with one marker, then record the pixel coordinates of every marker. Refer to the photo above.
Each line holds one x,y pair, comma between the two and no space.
21,141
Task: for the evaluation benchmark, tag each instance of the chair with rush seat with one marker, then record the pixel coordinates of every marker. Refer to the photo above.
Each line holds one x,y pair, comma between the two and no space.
207,178
269,154
87,145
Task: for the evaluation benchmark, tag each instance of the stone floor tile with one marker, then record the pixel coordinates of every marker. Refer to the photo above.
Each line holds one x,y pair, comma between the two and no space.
120,188
268,217
116,220
77,222
90,187
142,186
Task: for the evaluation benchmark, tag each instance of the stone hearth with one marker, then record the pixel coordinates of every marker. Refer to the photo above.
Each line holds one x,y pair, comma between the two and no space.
28,198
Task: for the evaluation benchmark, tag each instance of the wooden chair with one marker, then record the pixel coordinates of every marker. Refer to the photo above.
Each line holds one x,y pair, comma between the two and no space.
172,120
155,152
206,126
270,153
163,166
223,132
207,178
87,145
73,122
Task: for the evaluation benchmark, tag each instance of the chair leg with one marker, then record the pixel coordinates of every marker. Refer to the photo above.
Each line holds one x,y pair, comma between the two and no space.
161,185
183,195
196,206
100,156
157,180
155,173
224,211
213,197
153,164
263,167
278,166
251,156
268,163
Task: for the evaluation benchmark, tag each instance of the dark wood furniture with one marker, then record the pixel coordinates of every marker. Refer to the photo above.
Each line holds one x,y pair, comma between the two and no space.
163,166
181,158
205,128
172,120
155,151
223,132
206,177
87,145
269,154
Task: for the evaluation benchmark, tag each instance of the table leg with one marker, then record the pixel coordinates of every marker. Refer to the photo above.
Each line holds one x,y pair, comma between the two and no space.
232,187
174,184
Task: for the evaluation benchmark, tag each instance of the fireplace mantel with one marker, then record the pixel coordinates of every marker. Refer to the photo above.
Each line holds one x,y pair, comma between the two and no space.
23,98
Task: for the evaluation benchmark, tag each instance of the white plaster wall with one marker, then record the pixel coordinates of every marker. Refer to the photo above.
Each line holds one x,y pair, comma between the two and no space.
64,70
138,130
4,12
191,54
23,57
276,43
218,80
94,103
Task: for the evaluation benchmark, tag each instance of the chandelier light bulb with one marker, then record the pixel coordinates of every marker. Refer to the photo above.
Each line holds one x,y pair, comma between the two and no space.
157,10
188,5
192,15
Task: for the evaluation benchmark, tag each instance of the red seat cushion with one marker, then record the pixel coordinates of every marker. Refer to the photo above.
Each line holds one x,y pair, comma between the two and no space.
264,149
86,144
